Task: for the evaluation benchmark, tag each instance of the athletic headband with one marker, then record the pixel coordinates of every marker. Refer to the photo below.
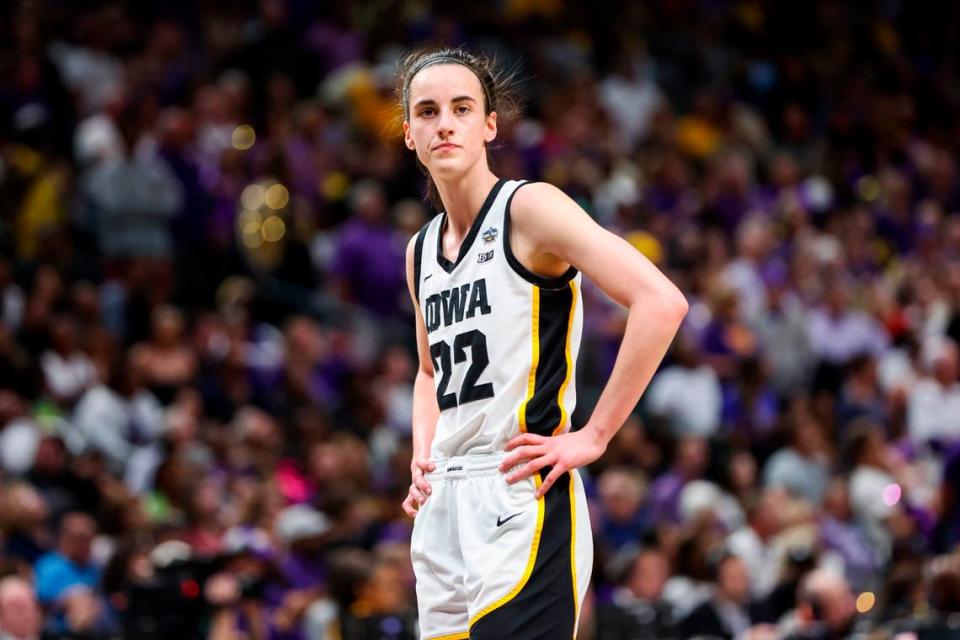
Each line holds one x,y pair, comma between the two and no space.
442,59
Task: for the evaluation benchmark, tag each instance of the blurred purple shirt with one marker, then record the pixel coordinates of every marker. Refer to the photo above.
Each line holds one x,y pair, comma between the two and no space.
370,258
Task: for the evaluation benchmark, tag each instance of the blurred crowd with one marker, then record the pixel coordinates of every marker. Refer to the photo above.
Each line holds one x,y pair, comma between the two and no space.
206,341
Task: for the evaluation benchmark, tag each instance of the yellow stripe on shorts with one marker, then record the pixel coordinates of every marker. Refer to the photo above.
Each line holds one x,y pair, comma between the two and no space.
460,635
531,560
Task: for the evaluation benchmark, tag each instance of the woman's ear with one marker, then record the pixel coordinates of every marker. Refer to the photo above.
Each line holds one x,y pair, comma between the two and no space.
490,133
407,138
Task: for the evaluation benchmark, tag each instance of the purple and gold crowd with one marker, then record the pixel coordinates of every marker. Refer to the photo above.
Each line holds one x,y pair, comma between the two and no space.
207,343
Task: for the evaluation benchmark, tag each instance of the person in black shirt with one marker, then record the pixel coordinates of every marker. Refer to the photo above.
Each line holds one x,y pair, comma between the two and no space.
638,611
727,614
825,607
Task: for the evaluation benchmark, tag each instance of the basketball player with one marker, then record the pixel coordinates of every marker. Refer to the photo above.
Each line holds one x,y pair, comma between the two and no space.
501,542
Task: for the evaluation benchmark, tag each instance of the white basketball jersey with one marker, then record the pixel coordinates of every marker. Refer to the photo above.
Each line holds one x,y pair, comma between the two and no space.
503,340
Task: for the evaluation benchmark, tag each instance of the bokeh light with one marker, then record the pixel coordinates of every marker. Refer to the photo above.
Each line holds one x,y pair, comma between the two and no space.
243,137
891,494
250,221
277,196
273,229
252,197
253,240
865,601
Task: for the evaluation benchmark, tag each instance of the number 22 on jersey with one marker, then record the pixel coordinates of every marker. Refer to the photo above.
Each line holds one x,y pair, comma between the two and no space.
479,359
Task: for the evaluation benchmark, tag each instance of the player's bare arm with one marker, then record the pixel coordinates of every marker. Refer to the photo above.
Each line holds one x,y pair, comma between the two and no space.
425,409
549,232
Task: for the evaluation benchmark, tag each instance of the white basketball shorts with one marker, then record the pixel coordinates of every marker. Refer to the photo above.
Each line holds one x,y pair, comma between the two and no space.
494,563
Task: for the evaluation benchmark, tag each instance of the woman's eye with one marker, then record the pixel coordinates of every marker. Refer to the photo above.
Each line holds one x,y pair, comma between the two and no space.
426,113
463,109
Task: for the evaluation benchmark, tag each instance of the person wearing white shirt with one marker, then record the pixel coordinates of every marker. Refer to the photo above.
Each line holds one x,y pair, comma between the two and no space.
631,98
868,482
933,408
687,393
125,422
67,371
756,542
839,332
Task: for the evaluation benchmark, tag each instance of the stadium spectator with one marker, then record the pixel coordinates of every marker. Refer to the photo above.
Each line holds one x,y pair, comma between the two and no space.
671,390
825,609
637,609
727,614
802,468
68,578
935,398
20,614
757,543
621,492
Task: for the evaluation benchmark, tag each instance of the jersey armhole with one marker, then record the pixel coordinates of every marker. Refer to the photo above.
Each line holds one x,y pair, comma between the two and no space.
417,258
544,282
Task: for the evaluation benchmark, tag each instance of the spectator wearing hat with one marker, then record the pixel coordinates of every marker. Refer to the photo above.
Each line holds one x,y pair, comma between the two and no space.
301,531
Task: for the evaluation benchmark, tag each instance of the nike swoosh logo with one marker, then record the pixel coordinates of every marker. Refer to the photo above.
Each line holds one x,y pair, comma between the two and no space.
425,278
503,522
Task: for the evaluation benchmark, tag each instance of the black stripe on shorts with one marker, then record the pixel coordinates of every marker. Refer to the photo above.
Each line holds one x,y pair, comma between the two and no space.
545,608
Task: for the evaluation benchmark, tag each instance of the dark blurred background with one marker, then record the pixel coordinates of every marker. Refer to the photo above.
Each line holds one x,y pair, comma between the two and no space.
206,342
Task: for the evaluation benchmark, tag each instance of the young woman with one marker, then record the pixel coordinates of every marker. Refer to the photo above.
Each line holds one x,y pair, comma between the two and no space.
501,543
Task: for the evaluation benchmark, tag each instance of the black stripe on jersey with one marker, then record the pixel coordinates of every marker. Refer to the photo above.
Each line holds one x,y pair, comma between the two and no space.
544,282
417,257
545,608
471,235
543,410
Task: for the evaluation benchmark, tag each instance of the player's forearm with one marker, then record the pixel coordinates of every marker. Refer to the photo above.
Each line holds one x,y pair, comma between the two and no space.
650,330
425,414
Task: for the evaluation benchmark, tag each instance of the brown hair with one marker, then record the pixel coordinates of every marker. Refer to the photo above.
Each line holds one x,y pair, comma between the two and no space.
499,89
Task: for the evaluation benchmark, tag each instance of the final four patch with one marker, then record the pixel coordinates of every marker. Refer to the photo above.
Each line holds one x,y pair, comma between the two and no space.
490,235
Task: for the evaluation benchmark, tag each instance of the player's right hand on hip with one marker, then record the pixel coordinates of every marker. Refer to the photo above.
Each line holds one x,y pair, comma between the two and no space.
419,487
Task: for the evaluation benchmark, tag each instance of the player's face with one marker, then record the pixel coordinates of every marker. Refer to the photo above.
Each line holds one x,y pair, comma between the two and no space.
447,125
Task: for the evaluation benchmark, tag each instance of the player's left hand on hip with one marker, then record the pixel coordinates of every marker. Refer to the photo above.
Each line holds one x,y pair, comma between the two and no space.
531,452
